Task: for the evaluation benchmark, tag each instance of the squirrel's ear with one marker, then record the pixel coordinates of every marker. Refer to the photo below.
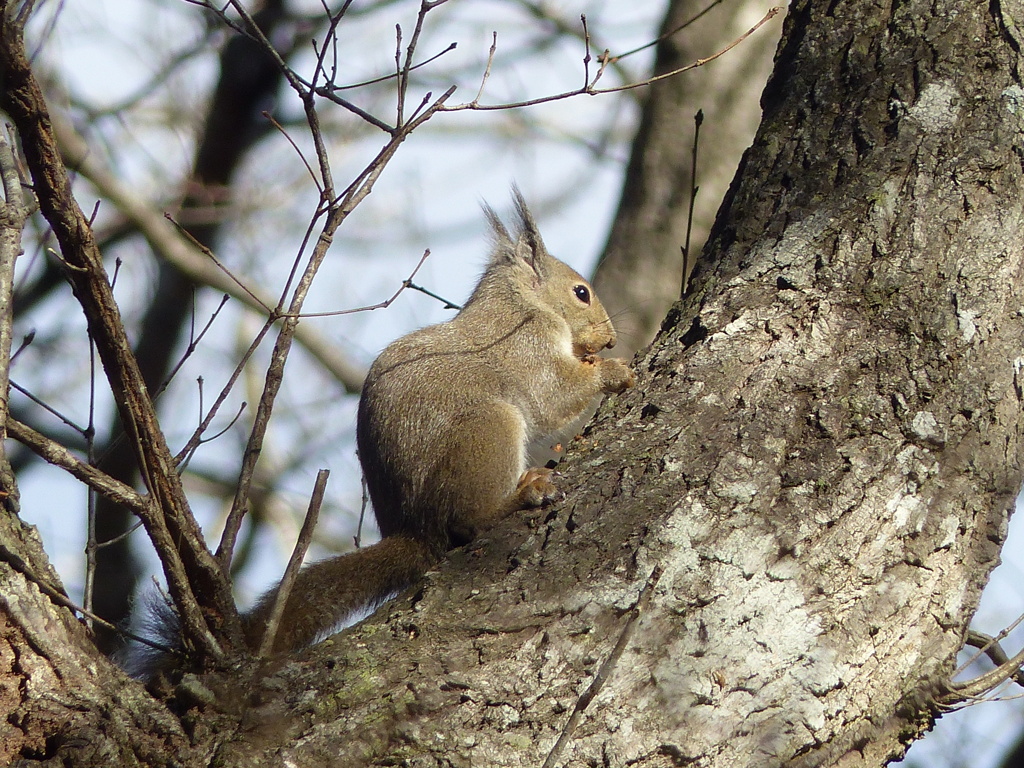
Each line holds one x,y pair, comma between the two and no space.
527,250
506,250
530,245
502,239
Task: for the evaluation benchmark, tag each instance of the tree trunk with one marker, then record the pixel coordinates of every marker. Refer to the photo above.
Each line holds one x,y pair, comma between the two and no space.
771,548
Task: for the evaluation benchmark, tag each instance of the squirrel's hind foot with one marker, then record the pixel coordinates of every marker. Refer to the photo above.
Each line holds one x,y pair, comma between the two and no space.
536,487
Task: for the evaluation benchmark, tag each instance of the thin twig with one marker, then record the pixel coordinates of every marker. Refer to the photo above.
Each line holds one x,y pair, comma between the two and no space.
447,304
193,343
991,648
407,283
359,112
302,157
292,569
670,33
195,440
687,260
399,74
545,12
45,406
591,90
187,455
391,76
604,673
330,34
120,537
230,424
363,503
487,69
26,10
189,351
586,50
26,341
212,257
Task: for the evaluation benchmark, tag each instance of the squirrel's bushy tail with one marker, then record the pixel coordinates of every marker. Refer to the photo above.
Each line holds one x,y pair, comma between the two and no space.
324,594
159,622
327,592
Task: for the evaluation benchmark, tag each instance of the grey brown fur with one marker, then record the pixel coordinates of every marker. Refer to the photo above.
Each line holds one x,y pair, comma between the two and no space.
445,419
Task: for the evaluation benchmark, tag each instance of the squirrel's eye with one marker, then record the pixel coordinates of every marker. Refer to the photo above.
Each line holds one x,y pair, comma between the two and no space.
582,293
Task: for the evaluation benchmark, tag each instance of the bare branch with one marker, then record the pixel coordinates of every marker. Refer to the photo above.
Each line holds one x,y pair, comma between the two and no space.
697,16
196,439
331,89
407,283
193,344
302,157
330,95
400,74
188,564
56,454
487,70
292,569
165,240
591,90
46,406
698,119
217,262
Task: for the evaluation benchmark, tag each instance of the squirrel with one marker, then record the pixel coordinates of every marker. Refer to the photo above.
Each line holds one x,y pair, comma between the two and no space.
445,418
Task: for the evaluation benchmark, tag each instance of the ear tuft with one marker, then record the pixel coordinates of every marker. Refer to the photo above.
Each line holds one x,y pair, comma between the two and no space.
526,249
528,230
501,235
504,249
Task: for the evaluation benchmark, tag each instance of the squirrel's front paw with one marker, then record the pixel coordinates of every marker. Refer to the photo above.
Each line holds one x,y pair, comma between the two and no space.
615,375
535,488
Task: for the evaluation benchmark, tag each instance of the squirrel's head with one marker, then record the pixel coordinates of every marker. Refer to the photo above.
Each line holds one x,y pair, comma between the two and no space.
548,284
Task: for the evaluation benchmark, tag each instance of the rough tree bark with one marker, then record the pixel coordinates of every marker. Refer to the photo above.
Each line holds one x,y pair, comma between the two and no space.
771,548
